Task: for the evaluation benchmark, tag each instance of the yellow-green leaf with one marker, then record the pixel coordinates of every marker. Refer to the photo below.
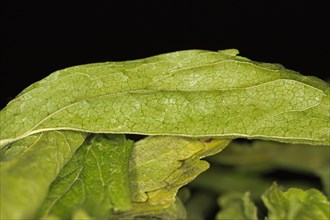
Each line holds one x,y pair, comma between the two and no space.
95,180
160,165
25,176
185,93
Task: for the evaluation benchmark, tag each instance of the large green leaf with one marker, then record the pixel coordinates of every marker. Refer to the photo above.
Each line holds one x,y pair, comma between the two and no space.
28,168
189,93
95,180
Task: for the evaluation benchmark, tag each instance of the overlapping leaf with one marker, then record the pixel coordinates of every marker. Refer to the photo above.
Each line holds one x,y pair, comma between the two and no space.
160,165
95,180
103,179
28,168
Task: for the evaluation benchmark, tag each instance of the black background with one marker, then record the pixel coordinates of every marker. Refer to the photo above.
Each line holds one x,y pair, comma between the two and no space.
41,37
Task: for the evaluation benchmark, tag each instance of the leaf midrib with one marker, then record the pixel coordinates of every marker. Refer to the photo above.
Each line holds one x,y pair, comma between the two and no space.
144,91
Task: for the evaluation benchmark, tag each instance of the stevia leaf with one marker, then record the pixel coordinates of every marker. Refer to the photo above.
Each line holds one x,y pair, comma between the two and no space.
188,93
235,206
28,168
94,181
160,165
296,204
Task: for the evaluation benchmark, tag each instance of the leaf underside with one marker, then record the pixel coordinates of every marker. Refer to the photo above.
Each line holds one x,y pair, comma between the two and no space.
185,93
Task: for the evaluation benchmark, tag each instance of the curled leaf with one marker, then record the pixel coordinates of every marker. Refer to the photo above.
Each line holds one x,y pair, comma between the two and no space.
185,93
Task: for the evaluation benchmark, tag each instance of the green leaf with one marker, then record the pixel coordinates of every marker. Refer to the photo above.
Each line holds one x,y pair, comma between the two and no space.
296,204
95,180
235,206
160,165
188,93
28,168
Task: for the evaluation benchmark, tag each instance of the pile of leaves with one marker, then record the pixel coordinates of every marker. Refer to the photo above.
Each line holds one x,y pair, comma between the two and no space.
68,150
